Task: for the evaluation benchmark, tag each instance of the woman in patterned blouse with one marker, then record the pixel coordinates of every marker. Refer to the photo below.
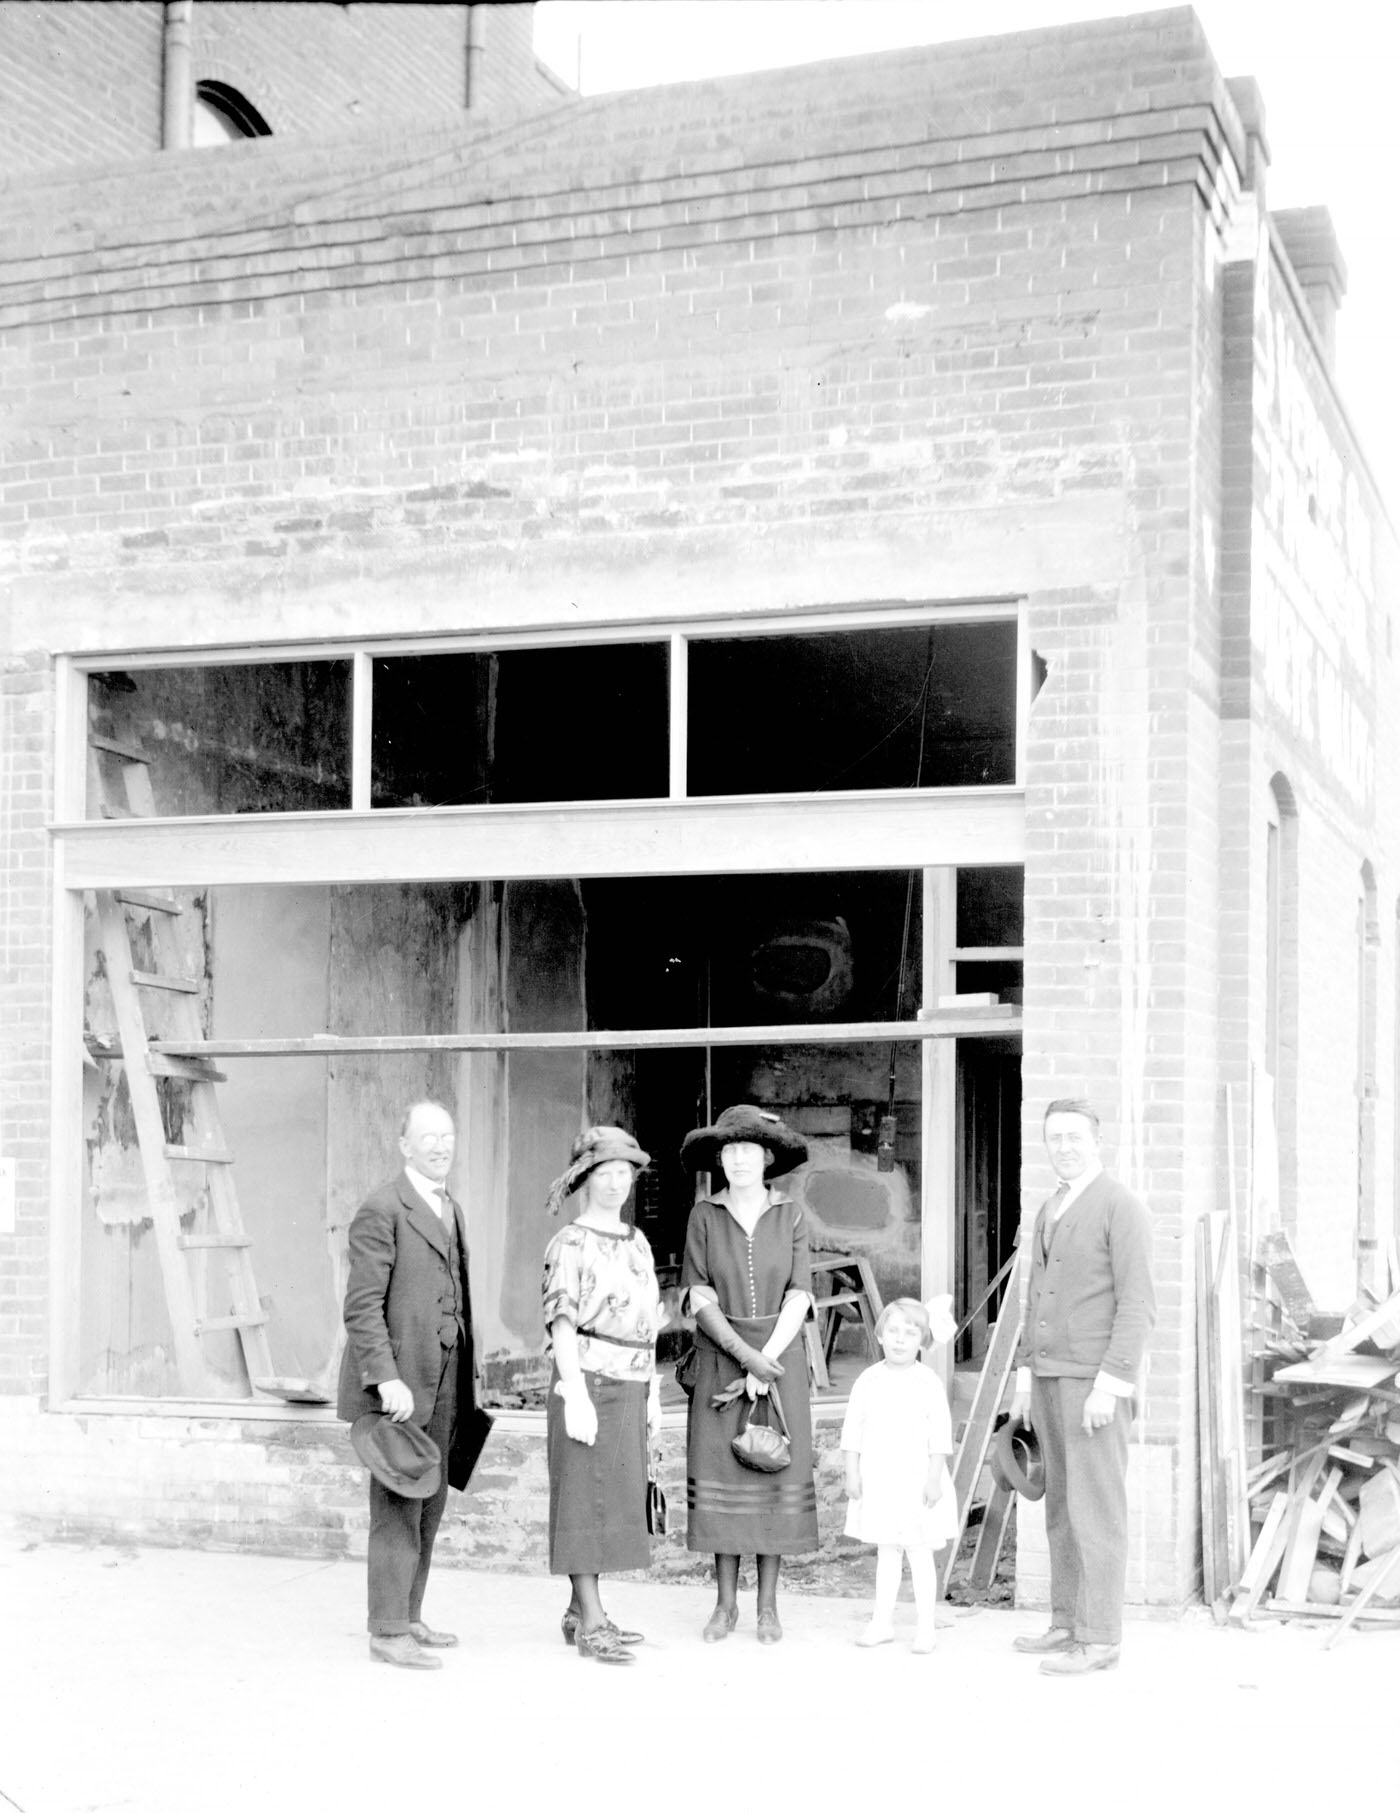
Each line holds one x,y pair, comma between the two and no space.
602,1312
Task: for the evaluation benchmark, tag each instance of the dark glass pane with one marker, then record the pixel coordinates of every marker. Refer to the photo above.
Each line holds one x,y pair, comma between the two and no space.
181,742
854,709
521,725
991,906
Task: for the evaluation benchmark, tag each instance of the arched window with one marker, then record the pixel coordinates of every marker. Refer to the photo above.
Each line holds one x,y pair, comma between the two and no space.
222,114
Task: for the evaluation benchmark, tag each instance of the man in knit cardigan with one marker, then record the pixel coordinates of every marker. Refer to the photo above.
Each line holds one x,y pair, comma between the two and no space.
1089,1311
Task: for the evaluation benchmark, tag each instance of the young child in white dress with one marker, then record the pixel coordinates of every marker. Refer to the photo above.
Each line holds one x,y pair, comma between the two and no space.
897,1437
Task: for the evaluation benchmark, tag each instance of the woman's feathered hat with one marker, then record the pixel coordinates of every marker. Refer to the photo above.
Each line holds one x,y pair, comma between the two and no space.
594,1146
747,1125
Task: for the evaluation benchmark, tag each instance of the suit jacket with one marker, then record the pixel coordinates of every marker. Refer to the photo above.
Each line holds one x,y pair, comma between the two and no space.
1091,1303
398,1295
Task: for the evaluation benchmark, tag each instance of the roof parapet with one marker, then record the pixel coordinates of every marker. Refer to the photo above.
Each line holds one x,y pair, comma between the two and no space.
1310,240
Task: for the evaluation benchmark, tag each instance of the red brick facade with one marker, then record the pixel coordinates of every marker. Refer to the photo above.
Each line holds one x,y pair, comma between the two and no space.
996,320
82,83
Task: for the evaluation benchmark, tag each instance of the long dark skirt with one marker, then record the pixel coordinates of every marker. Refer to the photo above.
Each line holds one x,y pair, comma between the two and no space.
733,1510
597,1495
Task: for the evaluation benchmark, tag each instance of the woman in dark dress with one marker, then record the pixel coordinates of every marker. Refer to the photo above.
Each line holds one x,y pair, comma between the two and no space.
747,1279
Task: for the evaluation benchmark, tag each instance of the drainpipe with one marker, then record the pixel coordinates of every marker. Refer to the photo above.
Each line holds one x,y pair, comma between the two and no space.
177,91
475,40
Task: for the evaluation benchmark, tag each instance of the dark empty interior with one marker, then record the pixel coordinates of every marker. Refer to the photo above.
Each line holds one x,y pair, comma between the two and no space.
842,711
521,725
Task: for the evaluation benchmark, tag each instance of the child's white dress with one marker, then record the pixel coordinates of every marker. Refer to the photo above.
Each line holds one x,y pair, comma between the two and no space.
897,1417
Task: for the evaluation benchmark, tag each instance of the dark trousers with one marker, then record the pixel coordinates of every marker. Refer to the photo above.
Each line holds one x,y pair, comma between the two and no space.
1086,1509
402,1530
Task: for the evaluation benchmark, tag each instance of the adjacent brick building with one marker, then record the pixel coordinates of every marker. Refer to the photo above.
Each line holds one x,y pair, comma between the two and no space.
772,554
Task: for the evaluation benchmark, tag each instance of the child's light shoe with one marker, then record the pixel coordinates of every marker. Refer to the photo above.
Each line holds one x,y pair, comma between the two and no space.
925,1640
875,1633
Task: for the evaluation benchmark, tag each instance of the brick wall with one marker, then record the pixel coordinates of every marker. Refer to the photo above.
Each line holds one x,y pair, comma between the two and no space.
688,351
81,83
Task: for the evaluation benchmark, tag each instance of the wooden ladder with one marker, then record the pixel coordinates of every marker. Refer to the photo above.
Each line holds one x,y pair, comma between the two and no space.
855,1293
225,1238
976,1440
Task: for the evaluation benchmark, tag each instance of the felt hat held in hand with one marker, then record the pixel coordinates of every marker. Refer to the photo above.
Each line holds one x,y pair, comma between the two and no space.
401,1456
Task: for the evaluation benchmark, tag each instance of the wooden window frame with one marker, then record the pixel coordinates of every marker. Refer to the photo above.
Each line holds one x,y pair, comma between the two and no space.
931,830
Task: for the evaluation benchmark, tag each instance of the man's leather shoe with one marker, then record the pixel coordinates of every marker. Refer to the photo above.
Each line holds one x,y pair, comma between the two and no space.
402,1652
1083,1659
1046,1643
432,1639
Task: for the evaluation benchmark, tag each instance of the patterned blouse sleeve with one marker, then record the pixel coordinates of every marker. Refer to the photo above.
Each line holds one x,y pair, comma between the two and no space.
562,1272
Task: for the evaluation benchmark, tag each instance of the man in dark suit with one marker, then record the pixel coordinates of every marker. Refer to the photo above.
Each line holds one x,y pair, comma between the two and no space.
409,1356
1089,1311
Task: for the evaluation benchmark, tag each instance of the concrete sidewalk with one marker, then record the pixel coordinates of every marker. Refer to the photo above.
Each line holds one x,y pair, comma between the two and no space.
170,1681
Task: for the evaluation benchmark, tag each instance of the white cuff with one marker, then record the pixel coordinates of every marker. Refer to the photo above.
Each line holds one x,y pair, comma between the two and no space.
1023,1379
1105,1381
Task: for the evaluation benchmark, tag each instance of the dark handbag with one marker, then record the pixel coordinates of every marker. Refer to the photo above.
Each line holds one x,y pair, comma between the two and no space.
656,1507
688,1370
765,1447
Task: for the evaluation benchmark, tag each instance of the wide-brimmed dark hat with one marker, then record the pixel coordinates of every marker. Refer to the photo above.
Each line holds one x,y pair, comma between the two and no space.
401,1456
700,1150
594,1146
1017,1458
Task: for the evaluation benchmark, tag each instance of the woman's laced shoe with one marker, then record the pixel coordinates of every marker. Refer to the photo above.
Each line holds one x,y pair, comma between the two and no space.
722,1620
769,1629
569,1624
603,1644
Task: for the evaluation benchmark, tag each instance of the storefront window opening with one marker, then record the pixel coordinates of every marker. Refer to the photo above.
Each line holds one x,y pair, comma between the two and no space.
179,742
652,1003
879,709
521,725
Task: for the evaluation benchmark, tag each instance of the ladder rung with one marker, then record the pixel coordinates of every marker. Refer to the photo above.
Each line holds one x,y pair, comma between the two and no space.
180,985
192,1070
192,1242
213,1324
153,903
200,1155
127,751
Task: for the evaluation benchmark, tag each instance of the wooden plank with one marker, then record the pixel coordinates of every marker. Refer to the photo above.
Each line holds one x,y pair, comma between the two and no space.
996,1515
1264,1559
1213,1563
1275,1253
501,843
128,752
987,1022
1301,1555
193,1243
161,1199
976,1439
1360,1331
175,985
147,902
1351,1556
1343,1369
1275,1608
209,1325
200,1155
1364,1598
188,1069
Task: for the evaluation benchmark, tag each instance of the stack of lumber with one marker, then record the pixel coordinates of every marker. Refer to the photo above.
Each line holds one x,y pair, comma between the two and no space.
1324,1502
